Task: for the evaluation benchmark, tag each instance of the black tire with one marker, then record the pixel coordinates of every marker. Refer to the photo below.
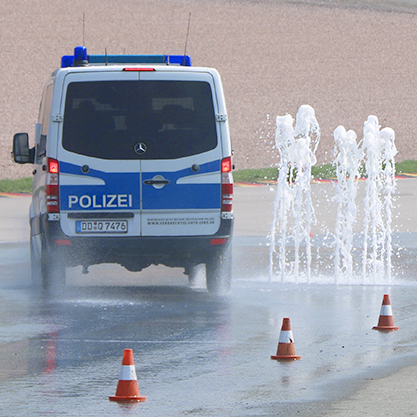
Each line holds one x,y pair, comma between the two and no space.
194,273
52,270
219,272
35,266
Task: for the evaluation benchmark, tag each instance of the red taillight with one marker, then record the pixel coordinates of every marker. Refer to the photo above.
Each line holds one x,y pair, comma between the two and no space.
227,164
227,199
138,69
52,186
227,185
53,166
218,241
227,189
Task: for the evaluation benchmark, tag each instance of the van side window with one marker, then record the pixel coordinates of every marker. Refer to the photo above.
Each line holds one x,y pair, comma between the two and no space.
106,119
44,115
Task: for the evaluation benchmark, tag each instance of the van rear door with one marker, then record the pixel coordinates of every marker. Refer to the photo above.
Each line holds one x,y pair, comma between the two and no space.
181,180
99,177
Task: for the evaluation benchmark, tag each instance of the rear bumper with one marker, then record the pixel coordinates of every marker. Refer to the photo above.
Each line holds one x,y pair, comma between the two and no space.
136,253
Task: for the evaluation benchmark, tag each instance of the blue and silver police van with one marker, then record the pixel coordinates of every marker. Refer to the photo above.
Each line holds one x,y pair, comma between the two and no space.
132,165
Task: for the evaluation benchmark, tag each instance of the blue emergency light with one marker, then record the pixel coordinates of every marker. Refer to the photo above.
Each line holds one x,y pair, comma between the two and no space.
81,58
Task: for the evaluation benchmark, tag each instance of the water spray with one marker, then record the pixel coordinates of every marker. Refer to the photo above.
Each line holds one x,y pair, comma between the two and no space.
347,161
294,214
379,151
389,152
296,147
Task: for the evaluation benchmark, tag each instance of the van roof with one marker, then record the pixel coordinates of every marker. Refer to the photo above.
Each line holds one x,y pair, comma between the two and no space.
81,58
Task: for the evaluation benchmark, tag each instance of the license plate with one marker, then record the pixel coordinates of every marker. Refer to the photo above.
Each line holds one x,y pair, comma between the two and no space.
101,226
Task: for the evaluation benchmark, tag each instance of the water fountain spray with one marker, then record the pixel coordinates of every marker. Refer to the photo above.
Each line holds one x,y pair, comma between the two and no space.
284,140
347,161
379,151
388,137
294,215
297,147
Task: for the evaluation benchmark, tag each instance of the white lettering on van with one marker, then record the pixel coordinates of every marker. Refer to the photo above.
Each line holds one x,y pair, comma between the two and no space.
94,201
110,203
72,199
95,205
122,200
85,201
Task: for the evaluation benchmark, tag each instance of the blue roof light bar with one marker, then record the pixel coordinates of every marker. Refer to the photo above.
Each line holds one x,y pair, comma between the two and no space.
80,58
126,59
184,60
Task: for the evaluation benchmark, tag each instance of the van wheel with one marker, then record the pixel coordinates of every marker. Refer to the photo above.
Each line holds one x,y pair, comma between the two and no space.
196,274
219,272
53,272
35,266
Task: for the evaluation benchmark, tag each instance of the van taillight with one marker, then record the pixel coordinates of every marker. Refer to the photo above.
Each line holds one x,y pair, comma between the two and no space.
227,185
53,166
139,69
52,186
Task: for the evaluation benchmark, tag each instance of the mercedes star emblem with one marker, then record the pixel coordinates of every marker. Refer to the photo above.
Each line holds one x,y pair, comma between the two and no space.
140,148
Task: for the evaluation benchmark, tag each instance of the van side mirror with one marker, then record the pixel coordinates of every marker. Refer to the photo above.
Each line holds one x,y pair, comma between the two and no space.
21,152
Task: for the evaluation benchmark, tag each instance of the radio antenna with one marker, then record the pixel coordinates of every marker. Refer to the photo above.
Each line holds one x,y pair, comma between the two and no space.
186,39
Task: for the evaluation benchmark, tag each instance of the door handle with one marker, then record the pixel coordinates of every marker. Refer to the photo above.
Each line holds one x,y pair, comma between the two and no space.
156,182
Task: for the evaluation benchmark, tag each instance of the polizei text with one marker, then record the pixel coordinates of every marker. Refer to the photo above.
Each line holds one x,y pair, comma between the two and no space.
100,201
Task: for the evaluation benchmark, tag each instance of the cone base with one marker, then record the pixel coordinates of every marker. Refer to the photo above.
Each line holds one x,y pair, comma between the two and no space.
121,398
286,357
386,328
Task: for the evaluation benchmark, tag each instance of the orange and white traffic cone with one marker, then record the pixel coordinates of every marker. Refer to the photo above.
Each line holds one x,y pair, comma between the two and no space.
286,349
386,322
127,388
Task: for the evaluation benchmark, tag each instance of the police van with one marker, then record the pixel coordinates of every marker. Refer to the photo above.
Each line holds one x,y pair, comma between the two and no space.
132,165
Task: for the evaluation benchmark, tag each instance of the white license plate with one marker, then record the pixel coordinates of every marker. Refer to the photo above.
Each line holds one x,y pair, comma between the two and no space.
101,226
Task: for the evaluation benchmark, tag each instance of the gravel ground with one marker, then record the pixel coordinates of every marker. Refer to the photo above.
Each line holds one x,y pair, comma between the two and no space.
347,59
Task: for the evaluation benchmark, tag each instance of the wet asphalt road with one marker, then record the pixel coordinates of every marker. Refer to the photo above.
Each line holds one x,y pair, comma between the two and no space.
195,353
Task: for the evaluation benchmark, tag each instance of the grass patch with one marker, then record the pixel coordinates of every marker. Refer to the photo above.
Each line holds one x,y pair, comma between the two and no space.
271,174
22,185
325,171
255,175
406,167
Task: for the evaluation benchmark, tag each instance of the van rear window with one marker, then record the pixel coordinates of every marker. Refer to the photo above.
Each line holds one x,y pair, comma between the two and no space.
110,119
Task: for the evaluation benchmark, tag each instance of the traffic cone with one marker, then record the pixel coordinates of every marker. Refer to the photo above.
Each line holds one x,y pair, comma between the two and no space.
127,388
286,349
386,322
